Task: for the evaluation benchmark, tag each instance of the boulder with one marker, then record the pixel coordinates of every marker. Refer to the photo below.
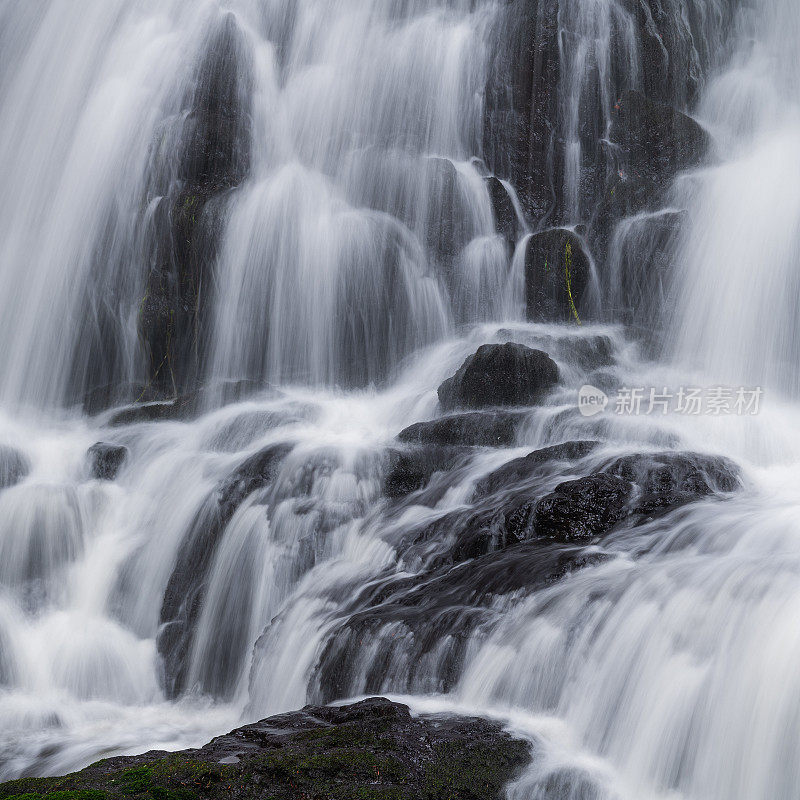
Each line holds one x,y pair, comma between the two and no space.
576,511
105,460
557,274
656,140
668,480
633,488
373,750
500,375
473,429
411,470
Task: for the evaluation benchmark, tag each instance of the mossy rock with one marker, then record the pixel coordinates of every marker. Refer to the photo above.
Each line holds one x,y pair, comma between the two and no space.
369,750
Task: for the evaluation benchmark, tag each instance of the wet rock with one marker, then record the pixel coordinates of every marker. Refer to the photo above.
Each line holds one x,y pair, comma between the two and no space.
520,469
212,155
656,140
666,481
557,273
186,588
632,488
411,470
404,622
182,407
473,429
105,460
577,510
505,216
14,466
520,138
500,375
372,750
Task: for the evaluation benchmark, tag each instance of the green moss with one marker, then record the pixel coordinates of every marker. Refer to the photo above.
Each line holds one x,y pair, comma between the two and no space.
81,794
568,277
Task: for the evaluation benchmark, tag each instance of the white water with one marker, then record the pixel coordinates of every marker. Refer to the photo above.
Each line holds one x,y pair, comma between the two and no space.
668,671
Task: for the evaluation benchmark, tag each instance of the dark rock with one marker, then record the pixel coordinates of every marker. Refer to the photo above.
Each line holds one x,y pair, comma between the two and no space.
447,224
667,481
212,154
632,487
656,140
411,470
512,473
372,750
473,429
521,141
577,510
182,407
557,273
14,466
403,620
106,459
500,375
186,588
505,215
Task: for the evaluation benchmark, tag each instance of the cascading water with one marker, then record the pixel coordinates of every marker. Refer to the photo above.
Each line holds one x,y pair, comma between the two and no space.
292,221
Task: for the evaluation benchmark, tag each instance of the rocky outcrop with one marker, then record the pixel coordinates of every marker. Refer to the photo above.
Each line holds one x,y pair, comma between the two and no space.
213,156
186,588
557,274
473,429
520,133
106,459
371,750
411,470
520,470
500,375
633,488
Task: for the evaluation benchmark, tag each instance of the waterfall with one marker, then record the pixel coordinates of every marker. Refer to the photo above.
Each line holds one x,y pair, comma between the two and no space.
738,280
243,242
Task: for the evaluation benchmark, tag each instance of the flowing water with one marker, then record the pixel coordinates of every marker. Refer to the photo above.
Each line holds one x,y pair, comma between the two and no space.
357,260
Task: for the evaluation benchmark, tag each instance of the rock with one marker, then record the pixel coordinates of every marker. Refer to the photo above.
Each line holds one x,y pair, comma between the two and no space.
557,274
411,470
473,429
407,620
210,151
512,473
668,480
182,407
106,459
577,510
656,140
631,488
448,215
505,215
14,466
521,141
372,750
500,375
186,588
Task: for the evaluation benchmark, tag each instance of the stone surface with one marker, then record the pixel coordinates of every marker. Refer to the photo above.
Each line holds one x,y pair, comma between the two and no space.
500,375
557,274
106,459
372,750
